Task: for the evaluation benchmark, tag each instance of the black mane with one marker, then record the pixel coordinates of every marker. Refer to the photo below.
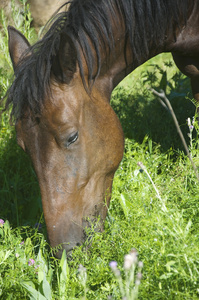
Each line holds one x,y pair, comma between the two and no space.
147,21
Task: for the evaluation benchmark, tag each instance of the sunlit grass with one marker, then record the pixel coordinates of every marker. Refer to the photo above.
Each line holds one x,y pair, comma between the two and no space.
135,79
166,239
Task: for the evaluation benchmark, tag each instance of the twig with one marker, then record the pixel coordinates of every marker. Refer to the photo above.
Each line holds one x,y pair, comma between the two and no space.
163,96
163,104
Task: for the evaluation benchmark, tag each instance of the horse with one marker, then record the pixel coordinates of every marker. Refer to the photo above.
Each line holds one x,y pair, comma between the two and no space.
60,99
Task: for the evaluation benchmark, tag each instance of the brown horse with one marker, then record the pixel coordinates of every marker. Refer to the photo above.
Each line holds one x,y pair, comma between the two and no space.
61,96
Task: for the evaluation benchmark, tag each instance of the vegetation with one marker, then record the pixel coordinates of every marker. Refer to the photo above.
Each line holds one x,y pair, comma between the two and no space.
154,207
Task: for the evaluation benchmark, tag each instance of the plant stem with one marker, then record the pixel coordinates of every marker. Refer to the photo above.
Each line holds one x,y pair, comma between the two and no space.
163,96
140,164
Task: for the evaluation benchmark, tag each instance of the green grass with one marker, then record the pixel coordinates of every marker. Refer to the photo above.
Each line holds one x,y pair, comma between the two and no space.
164,232
162,223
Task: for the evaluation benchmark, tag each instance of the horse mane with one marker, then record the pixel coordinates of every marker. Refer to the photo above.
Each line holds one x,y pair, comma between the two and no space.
88,23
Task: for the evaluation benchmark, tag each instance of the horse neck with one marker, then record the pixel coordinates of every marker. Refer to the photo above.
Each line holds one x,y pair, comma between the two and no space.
119,63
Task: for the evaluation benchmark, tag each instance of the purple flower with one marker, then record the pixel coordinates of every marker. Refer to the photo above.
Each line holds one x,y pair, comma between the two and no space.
1,222
22,243
31,262
113,265
191,127
190,124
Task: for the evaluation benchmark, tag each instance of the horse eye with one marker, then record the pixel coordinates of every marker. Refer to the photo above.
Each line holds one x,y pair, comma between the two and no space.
72,139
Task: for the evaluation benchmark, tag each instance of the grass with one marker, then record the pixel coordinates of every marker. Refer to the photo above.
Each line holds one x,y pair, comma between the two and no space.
154,206
166,239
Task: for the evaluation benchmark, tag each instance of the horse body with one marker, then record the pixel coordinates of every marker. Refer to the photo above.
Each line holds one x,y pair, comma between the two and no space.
70,131
186,50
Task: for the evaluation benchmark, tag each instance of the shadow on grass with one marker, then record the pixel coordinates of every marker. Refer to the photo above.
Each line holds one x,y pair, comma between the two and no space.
142,115
20,200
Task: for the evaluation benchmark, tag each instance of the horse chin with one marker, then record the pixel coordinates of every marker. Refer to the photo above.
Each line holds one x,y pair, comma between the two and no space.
89,227
68,249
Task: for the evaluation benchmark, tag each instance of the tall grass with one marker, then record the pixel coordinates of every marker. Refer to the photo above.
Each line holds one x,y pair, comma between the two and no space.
154,207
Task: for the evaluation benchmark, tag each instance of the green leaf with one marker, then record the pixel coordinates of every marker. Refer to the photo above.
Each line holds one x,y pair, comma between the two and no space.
32,291
125,204
46,288
166,276
169,264
4,255
62,275
49,275
43,267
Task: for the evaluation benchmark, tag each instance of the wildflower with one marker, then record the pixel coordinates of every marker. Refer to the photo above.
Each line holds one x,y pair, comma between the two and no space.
36,269
113,265
128,261
1,222
134,255
139,276
140,264
22,243
191,127
140,164
190,124
130,285
31,262
137,282
17,255
81,268
82,274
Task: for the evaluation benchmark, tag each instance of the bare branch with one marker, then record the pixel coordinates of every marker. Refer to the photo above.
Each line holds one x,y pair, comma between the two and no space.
163,96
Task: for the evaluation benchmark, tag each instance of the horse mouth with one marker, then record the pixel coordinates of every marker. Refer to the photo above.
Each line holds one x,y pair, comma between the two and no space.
89,228
68,248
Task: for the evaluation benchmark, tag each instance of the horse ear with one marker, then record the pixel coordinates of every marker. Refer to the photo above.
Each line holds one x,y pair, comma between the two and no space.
64,63
17,44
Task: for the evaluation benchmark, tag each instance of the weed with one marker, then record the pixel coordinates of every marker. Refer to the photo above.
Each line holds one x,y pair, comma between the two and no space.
154,206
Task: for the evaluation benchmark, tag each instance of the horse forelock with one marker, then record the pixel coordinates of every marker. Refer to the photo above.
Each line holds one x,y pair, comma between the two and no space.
145,21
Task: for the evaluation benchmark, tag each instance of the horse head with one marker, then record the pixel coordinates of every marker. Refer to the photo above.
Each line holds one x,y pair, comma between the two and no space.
75,144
